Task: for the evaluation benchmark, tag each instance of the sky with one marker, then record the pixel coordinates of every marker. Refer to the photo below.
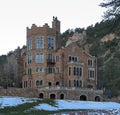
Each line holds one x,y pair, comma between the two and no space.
16,15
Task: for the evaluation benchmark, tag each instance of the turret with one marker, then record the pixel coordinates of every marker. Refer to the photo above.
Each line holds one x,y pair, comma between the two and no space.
56,27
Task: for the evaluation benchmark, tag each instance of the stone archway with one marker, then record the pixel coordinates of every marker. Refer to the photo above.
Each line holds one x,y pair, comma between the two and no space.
83,98
61,96
97,98
41,95
52,96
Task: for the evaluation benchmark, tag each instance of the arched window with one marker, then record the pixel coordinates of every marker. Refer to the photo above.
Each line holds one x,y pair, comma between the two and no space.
83,98
41,95
52,96
61,96
57,83
97,98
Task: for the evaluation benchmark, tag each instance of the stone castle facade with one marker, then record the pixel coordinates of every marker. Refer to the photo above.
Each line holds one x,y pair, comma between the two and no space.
58,72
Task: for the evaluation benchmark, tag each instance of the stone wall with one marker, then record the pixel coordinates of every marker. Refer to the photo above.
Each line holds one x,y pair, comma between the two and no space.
66,93
19,92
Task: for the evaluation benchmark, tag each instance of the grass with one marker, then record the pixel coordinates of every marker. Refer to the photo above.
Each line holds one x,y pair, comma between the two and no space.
26,108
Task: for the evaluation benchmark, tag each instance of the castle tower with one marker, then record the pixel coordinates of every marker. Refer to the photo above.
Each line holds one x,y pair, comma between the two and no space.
42,43
56,27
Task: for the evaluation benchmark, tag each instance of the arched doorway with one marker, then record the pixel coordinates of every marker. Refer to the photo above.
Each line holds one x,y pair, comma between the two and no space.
97,98
41,95
52,96
49,84
61,96
83,98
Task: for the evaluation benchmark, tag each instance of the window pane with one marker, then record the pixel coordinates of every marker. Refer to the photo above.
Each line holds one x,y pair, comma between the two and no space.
29,43
29,59
50,43
39,57
39,42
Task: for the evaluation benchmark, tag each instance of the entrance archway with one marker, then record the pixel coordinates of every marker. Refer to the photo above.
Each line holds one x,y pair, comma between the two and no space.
83,98
41,95
52,96
97,98
61,96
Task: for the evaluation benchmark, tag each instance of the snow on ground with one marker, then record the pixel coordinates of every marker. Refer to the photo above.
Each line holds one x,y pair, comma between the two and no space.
62,104
69,104
13,101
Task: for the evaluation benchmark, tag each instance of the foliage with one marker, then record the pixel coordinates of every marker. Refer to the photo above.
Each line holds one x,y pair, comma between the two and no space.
113,8
3,59
112,13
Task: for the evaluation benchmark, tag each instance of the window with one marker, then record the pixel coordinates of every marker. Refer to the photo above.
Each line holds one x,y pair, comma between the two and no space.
25,84
73,58
50,56
77,71
29,59
50,43
80,71
39,42
30,84
74,70
57,58
39,82
77,83
80,85
29,43
69,58
39,58
91,73
74,83
69,71
89,62
57,69
29,71
39,69
51,70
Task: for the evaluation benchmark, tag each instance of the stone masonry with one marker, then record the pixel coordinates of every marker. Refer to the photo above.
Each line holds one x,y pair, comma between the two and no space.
58,72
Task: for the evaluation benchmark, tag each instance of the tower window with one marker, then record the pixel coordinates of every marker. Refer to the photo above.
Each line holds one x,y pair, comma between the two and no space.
29,44
39,42
50,43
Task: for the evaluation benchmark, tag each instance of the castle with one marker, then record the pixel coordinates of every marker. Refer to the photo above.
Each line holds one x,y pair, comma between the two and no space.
58,72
